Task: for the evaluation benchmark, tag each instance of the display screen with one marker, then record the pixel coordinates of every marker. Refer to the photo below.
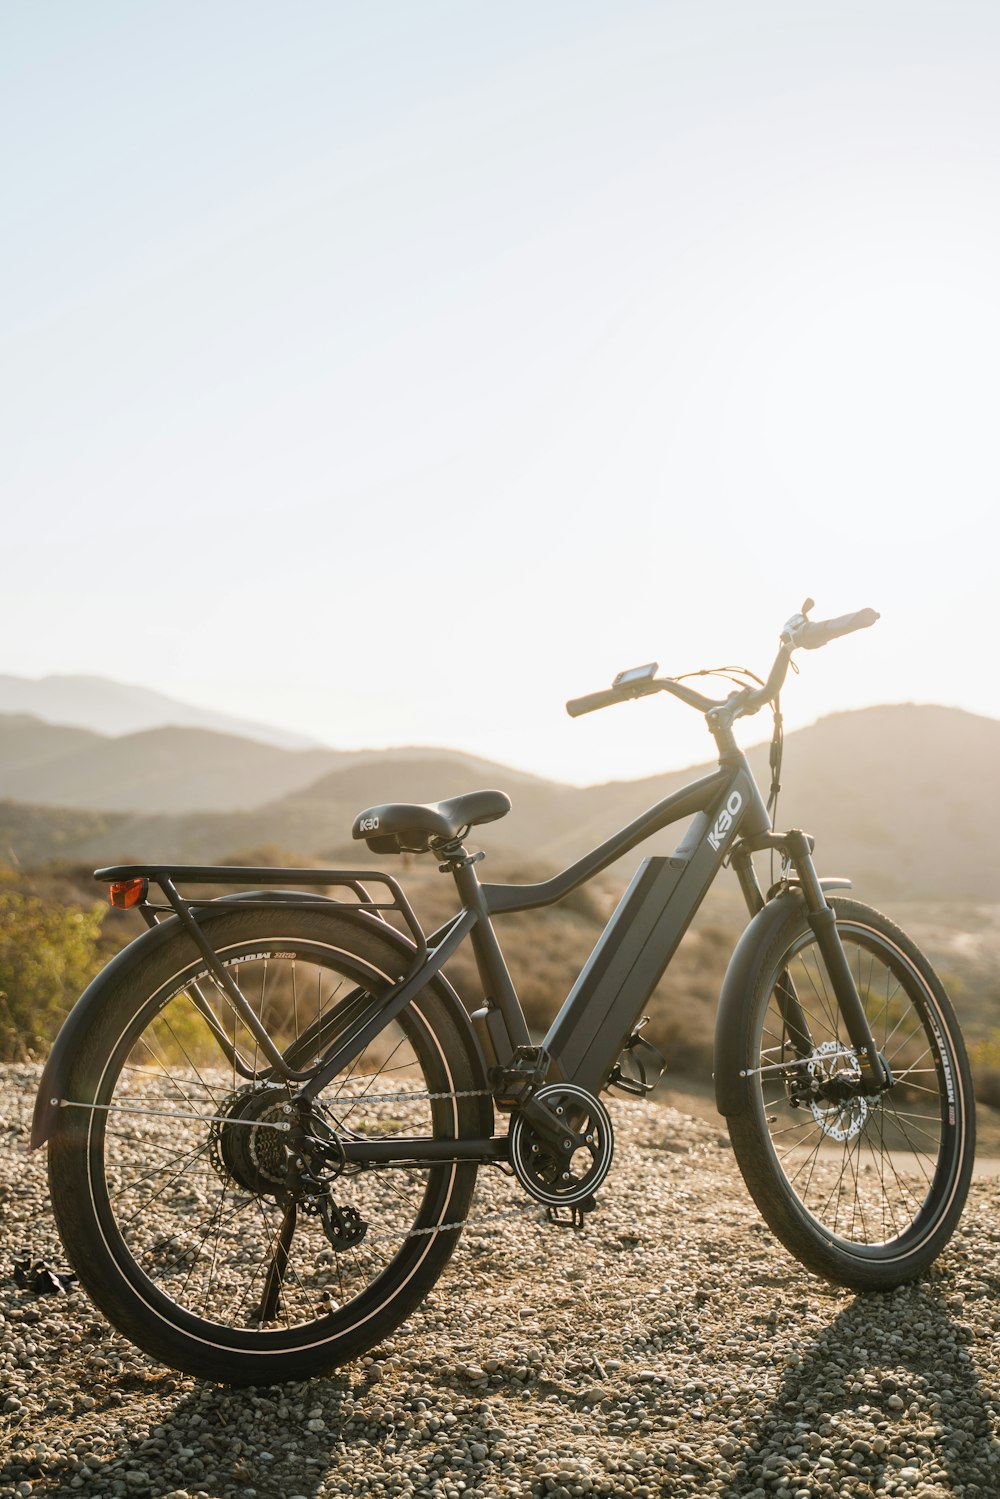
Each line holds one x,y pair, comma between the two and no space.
637,674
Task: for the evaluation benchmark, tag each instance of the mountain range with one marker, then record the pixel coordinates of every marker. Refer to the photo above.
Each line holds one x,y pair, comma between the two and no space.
899,798
109,707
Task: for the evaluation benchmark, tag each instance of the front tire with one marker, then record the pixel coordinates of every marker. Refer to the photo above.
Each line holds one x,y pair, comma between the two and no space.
864,1190
169,1173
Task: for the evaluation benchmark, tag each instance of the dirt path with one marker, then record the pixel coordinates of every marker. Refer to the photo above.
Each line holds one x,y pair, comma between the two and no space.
673,1349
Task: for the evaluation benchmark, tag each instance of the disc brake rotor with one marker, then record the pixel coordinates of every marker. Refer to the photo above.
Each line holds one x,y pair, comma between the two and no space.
840,1120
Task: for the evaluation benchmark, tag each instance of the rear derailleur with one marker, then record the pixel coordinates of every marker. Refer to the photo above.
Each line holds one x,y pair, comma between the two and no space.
271,1145
344,1227
315,1161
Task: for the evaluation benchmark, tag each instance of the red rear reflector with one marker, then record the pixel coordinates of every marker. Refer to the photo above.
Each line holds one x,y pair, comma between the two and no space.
126,893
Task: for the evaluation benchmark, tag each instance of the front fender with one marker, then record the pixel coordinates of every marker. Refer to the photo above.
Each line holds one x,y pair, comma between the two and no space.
55,1074
732,1092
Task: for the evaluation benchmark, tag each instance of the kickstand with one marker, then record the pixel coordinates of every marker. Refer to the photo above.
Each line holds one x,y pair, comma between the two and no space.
270,1303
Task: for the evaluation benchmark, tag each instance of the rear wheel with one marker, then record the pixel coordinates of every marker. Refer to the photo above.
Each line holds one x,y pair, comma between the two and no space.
174,1178
862,1187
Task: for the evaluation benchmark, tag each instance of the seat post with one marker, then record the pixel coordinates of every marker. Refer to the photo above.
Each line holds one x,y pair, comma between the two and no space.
501,1012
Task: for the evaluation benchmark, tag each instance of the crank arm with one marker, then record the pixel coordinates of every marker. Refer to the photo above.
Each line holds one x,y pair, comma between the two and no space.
555,1132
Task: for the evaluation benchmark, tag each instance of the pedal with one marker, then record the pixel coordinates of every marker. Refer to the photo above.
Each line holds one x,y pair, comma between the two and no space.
648,1056
572,1217
525,1072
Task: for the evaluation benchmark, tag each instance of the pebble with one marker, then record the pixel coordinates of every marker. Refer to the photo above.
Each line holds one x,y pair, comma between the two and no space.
673,1348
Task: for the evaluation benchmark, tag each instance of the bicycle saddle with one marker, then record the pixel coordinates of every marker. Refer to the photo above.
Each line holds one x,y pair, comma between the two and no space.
412,826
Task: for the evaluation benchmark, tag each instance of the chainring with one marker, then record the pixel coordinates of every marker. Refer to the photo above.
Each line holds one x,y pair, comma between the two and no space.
562,1178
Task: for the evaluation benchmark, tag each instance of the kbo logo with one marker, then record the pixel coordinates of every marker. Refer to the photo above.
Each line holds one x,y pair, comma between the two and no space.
724,821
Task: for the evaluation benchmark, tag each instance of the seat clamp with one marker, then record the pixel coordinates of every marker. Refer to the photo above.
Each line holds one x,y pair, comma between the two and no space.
461,862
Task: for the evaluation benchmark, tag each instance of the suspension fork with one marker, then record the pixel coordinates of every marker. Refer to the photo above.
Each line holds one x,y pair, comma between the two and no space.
796,847
823,921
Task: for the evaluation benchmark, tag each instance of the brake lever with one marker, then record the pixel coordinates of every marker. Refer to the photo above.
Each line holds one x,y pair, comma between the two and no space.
794,625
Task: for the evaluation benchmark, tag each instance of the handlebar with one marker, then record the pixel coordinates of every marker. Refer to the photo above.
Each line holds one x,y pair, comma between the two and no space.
594,700
799,632
811,634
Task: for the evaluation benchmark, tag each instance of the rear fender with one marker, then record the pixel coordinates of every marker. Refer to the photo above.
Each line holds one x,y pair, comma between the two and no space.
55,1073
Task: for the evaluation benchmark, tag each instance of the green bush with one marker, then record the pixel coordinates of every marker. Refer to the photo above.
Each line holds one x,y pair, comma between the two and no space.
984,1058
48,953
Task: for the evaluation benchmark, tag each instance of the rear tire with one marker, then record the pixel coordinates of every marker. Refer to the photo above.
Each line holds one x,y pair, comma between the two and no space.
864,1191
171,1195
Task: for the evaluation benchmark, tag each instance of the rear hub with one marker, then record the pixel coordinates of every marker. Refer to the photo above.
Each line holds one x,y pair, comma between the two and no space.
251,1146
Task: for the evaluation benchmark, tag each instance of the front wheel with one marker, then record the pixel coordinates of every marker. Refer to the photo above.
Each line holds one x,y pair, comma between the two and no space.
864,1188
208,1213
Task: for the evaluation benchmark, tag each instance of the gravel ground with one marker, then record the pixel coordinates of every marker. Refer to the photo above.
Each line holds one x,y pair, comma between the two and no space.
672,1349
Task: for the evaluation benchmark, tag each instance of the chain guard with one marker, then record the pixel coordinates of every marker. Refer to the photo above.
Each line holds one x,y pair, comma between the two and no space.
564,1177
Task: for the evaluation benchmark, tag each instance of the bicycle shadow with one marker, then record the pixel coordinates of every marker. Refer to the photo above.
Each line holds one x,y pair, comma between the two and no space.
882,1395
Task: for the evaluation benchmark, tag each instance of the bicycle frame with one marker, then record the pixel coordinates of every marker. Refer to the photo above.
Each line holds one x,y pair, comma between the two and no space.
587,1036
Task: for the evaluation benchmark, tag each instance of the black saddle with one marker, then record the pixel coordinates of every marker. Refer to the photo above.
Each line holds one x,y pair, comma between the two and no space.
414,827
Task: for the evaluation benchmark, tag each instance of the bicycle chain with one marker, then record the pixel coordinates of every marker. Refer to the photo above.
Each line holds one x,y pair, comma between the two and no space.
328,1104
444,1228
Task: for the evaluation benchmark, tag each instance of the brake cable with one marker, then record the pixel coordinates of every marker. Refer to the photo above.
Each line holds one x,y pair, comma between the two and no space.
728,672
774,757
774,760
738,675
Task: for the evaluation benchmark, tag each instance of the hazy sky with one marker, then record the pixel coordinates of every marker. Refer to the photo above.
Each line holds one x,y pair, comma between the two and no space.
396,371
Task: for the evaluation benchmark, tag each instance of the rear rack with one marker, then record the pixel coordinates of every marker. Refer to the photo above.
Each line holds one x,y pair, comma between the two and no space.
186,909
167,877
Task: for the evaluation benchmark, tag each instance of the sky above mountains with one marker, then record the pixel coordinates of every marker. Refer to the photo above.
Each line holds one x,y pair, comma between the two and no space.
394,373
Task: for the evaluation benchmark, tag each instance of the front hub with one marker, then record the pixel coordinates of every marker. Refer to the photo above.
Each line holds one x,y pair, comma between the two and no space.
836,1091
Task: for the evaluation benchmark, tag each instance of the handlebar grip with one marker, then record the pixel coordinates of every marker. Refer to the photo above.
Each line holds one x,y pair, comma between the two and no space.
593,701
815,633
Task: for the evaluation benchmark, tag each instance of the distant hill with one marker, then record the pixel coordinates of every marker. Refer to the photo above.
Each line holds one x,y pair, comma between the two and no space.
109,707
155,770
899,798
178,770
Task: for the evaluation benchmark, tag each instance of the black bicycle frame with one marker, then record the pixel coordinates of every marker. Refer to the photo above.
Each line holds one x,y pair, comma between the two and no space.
626,964
587,1037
